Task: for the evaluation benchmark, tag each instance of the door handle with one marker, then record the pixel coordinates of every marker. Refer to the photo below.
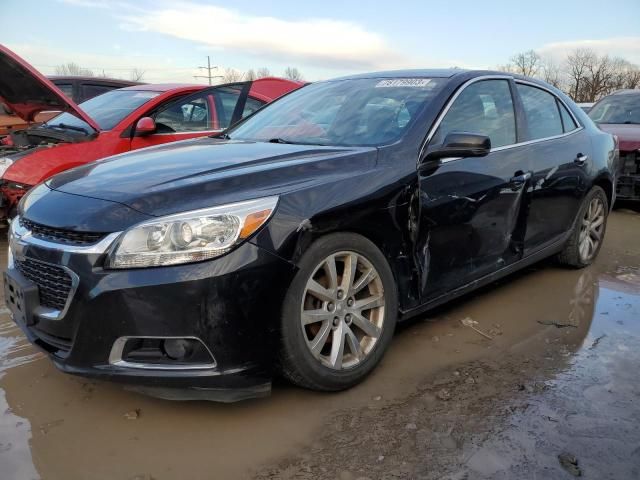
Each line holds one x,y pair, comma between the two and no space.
519,180
580,159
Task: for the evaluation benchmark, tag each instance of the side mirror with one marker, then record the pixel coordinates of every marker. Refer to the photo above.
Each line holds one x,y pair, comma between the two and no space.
145,126
460,144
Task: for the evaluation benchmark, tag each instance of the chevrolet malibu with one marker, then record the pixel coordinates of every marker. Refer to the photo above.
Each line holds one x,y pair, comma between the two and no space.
293,243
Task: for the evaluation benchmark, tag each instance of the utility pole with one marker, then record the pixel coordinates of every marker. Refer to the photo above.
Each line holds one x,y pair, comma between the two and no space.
208,68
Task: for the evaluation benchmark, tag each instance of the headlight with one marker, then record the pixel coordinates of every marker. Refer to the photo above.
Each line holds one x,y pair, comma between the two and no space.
190,236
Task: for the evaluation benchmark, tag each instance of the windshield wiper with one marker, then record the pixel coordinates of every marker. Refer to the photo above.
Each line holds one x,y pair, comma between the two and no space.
223,136
279,140
70,127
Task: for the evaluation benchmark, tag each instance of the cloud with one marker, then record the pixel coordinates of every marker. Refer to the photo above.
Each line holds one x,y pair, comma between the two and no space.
158,69
316,41
625,47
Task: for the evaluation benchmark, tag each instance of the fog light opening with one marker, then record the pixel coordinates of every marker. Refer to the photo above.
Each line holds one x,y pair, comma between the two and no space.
178,348
161,353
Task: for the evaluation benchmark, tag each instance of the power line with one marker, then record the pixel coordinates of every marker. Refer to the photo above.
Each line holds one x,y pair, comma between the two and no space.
208,68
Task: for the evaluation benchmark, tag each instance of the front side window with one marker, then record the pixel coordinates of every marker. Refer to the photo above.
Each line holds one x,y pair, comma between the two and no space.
187,115
483,108
623,108
350,112
541,110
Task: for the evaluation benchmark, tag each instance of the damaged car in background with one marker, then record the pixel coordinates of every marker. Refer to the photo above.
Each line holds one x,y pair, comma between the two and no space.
115,122
78,89
619,114
293,243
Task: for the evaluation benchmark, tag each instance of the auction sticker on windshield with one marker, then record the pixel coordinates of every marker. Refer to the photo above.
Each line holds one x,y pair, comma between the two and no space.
403,82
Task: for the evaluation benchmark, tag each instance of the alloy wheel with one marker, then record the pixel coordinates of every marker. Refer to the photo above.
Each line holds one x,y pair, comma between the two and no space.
592,229
342,311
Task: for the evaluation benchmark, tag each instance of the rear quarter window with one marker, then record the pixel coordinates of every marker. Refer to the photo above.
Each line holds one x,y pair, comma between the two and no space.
541,110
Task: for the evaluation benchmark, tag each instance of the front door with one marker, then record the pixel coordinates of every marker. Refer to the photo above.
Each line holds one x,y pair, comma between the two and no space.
203,113
473,216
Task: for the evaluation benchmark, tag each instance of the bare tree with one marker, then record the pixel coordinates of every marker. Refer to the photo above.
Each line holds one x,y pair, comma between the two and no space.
263,72
577,72
292,73
526,63
231,75
73,69
136,75
551,72
250,75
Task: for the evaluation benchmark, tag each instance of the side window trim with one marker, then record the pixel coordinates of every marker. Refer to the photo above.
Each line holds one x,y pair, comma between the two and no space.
558,99
517,105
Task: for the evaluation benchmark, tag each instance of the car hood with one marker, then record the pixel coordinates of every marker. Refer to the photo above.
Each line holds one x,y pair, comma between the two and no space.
628,135
27,92
195,174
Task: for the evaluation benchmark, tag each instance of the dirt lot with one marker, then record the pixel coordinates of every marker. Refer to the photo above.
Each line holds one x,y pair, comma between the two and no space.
554,393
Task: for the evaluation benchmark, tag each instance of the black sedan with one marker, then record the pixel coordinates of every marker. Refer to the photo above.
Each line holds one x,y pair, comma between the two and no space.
293,243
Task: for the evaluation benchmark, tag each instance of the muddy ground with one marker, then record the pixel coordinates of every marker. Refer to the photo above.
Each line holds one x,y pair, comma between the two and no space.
554,393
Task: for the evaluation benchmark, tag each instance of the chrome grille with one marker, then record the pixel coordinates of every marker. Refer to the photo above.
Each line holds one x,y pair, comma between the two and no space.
54,283
60,235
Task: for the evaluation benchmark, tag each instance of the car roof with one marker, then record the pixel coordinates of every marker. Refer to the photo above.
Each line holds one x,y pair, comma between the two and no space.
627,91
95,80
412,73
438,73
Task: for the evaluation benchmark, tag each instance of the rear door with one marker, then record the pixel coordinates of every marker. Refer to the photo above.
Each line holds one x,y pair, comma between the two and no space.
205,112
472,217
560,151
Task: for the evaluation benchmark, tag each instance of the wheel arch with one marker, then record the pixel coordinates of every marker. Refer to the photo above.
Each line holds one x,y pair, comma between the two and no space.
605,182
396,249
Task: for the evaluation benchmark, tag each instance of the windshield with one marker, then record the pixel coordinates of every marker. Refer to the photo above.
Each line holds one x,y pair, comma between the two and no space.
623,108
106,110
368,112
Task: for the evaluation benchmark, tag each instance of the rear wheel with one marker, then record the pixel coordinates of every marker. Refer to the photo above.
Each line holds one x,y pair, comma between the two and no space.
588,232
339,314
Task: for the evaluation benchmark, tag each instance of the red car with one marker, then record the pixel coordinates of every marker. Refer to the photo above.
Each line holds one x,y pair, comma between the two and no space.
112,123
619,114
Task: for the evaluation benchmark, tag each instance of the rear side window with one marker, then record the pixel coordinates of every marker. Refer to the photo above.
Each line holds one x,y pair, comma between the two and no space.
541,110
484,108
66,88
568,123
90,91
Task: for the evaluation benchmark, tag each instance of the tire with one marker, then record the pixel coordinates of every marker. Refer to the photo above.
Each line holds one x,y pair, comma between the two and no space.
572,255
322,370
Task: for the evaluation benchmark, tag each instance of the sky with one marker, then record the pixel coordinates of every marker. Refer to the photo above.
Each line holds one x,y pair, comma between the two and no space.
170,39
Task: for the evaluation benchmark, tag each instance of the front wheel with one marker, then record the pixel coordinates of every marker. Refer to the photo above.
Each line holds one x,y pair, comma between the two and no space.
339,314
588,232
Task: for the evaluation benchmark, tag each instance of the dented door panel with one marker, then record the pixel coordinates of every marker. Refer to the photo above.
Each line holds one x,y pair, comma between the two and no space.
472,220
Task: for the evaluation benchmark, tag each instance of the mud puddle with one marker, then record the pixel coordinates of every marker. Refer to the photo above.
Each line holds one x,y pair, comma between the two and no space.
559,375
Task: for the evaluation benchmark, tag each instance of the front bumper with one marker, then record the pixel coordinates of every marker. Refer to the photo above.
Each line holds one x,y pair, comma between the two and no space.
628,187
231,304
